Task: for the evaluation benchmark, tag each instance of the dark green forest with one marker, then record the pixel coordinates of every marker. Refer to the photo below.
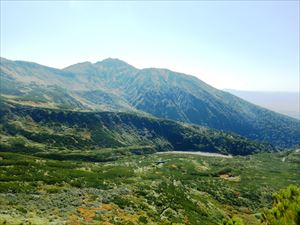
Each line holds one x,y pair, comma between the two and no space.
90,130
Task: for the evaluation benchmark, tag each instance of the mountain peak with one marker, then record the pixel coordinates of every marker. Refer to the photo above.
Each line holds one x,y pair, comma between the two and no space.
3,59
116,60
113,62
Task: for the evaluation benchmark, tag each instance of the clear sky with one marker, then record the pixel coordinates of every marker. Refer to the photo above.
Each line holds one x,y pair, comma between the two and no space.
246,45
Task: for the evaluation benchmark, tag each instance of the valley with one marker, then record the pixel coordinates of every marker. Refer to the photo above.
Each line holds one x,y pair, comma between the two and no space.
109,144
197,153
83,168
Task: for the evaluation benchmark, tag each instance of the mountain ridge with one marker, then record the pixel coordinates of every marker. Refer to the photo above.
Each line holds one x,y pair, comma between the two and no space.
112,84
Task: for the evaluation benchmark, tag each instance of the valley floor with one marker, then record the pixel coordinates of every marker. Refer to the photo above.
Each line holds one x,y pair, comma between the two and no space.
197,153
145,189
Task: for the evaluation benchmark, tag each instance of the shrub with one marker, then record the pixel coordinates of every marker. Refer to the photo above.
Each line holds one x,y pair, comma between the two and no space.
286,208
233,221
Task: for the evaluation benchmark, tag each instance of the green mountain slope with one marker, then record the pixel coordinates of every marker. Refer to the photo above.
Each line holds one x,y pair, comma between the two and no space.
93,130
34,84
114,85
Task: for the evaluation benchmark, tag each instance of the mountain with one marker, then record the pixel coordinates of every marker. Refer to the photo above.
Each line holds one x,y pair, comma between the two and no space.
286,103
92,130
114,85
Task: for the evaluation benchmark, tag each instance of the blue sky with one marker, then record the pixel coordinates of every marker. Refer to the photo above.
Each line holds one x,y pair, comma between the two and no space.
246,45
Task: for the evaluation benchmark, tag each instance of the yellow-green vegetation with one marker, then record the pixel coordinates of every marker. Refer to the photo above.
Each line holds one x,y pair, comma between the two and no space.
233,221
286,208
145,189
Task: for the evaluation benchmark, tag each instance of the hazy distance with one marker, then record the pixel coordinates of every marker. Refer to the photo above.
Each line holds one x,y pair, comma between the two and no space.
283,102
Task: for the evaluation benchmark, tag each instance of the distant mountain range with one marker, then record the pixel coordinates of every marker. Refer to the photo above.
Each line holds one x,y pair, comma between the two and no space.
287,103
114,85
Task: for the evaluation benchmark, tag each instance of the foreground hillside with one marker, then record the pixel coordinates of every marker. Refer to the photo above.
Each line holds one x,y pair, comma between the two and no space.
114,85
149,189
38,130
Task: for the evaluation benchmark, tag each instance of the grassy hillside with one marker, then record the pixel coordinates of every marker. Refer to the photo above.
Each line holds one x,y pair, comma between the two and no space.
38,129
147,189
